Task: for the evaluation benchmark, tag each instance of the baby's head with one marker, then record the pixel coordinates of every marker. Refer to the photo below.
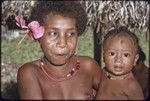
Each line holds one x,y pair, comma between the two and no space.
122,32
120,50
72,9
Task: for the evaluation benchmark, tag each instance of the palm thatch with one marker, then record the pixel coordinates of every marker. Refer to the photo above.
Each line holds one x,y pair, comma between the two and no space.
110,14
106,15
15,8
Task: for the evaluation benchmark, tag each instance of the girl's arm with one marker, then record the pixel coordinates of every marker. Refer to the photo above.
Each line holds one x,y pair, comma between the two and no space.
95,71
29,87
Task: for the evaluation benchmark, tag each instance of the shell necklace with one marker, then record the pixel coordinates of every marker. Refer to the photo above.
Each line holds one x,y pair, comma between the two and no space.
74,70
116,78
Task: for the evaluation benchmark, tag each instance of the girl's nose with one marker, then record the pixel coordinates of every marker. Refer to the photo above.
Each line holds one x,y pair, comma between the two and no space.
62,41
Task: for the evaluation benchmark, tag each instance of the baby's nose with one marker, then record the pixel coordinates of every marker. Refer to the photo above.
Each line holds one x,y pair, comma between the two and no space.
118,59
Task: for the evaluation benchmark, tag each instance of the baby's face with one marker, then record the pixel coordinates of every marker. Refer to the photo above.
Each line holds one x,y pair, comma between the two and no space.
119,55
60,38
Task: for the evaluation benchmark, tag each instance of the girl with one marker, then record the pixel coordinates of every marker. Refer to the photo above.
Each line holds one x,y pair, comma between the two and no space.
59,74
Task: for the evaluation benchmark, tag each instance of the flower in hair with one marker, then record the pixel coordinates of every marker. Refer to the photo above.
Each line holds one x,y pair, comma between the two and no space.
33,29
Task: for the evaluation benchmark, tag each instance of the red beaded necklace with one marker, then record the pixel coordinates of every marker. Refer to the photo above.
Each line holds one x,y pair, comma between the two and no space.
76,66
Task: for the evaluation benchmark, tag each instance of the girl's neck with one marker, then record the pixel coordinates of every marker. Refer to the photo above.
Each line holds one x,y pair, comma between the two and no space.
59,68
61,75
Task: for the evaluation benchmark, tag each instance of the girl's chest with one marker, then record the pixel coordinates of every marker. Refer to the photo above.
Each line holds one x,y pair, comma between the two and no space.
77,87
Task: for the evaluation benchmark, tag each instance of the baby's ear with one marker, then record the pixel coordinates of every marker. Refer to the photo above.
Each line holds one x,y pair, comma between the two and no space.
136,58
103,57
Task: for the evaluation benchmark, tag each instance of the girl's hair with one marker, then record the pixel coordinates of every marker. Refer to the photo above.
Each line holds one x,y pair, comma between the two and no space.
122,31
72,9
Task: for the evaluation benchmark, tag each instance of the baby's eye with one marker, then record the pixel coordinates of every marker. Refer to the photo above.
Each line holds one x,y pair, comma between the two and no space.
126,54
112,53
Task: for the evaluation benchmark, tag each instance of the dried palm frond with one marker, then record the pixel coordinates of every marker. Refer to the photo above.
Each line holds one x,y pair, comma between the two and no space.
16,7
110,14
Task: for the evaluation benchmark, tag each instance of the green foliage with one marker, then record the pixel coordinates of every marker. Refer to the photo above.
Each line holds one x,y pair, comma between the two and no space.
28,51
144,44
85,44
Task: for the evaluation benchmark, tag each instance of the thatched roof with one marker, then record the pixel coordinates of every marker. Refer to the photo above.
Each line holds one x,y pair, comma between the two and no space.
109,14
134,14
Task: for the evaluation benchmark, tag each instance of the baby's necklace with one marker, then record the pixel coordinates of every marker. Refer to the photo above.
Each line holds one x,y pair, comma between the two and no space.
116,78
76,66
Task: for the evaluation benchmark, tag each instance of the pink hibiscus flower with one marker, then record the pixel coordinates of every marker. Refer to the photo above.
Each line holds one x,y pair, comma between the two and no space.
34,29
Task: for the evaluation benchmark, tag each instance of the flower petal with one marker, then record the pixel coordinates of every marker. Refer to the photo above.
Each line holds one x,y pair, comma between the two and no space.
36,30
20,21
39,33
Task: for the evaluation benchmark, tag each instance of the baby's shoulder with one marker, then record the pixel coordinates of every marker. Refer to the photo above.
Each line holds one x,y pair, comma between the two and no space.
134,90
133,84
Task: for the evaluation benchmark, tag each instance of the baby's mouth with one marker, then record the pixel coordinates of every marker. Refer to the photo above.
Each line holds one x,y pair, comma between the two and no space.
118,68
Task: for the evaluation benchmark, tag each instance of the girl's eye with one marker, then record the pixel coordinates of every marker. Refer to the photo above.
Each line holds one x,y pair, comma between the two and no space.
52,33
112,53
126,54
70,34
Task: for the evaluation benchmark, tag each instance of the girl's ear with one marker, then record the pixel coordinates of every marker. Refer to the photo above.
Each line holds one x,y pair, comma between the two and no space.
135,60
39,41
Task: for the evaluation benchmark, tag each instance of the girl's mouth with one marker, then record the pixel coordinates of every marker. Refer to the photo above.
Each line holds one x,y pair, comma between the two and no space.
61,55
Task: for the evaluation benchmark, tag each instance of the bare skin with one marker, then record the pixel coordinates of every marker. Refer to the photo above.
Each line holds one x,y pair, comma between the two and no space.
116,89
34,84
58,45
119,57
143,70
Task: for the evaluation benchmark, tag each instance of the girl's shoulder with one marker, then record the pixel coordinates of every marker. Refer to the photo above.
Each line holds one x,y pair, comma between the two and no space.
29,67
86,59
88,63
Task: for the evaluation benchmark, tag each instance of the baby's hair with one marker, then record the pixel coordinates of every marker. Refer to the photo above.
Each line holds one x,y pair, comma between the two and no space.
122,31
72,9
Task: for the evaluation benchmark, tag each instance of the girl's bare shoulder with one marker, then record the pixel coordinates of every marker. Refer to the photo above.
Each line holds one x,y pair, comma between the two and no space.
86,60
29,68
88,63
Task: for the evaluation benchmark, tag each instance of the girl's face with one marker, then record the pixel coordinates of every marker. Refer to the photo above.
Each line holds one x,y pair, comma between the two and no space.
119,55
60,38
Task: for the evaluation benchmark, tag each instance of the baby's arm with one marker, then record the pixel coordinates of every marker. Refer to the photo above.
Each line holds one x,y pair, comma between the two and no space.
134,91
28,84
